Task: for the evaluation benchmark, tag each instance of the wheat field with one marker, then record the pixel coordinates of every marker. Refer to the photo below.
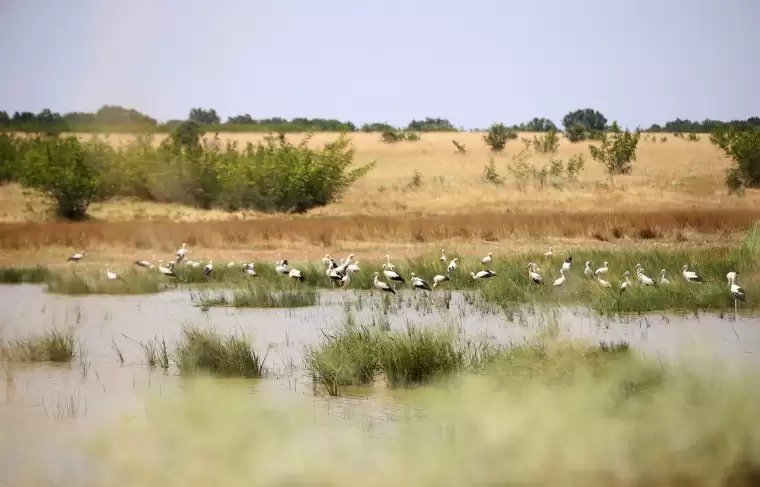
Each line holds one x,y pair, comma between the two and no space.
675,195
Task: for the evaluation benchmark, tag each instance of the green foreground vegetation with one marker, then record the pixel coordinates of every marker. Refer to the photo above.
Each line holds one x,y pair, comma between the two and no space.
50,346
547,413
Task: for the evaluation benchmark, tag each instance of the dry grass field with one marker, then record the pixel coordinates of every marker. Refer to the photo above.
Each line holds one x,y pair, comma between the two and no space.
675,196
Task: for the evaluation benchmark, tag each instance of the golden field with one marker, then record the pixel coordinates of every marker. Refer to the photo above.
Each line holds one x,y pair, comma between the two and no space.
675,196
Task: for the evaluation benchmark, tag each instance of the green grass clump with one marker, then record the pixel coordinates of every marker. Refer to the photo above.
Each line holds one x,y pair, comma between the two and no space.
23,275
207,351
74,283
255,295
50,346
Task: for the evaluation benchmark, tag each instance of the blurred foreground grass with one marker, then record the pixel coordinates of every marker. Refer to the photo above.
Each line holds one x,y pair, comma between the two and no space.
543,414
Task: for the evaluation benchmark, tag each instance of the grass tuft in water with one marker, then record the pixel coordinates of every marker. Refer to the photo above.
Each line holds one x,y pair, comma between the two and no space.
75,283
201,350
258,296
23,275
51,346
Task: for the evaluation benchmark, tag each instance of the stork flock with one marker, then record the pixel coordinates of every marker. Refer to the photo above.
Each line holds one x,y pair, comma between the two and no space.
341,273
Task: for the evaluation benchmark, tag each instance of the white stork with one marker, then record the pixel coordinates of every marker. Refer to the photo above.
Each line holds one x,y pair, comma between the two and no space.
602,269
333,274
484,274
388,263
281,267
663,279
443,257
603,283
731,276
567,263
690,276
326,260
296,274
113,275
643,278
626,281
560,280
392,275
382,286
145,263
589,273
533,275
438,279
181,253
167,271
452,265
487,259
77,257
736,291
419,283
208,269
548,253
353,267
345,280
249,269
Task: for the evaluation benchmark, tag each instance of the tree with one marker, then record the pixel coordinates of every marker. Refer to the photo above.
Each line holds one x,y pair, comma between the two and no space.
431,125
591,119
204,117
538,125
743,147
65,170
497,137
616,151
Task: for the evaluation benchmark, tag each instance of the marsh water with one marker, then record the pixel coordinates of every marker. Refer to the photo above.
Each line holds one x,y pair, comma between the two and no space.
47,411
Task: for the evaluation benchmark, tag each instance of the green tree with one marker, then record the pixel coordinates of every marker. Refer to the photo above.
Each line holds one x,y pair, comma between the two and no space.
203,116
616,151
65,170
743,147
591,119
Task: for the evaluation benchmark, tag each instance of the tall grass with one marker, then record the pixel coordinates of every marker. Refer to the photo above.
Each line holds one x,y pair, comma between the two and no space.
200,350
23,275
545,414
75,282
258,296
52,345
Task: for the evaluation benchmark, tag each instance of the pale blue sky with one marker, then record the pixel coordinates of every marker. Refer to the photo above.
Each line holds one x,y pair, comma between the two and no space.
474,62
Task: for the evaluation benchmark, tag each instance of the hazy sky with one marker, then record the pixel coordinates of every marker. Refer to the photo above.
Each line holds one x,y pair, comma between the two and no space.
474,62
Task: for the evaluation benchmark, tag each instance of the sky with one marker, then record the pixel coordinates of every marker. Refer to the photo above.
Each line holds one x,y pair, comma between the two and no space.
473,62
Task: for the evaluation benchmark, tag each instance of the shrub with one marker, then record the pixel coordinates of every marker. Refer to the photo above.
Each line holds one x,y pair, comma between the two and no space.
616,151
547,143
744,149
490,175
576,132
67,171
575,166
497,137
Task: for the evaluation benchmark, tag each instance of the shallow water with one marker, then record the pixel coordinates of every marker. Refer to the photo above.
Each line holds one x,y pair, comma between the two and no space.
46,411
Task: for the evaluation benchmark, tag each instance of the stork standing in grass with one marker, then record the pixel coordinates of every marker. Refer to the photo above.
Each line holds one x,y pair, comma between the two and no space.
326,260
736,291
438,279
112,275
145,263
249,269
388,264
589,273
452,265
560,280
567,263
731,276
393,275
419,283
533,275
626,281
643,278
296,274
484,274
77,257
182,253
208,269
690,276
353,267
487,259
382,286
281,267
443,257
548,254
602,282
333,274
602,270
346,280
663,279
167,271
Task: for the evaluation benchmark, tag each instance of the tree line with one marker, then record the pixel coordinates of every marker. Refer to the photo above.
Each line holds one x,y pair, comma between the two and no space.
114,118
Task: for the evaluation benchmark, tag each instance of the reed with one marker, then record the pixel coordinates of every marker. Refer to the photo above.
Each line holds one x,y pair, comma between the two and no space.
200,350
23,275
52,345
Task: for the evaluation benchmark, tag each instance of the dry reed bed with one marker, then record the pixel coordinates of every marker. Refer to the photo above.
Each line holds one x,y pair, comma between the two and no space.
326,231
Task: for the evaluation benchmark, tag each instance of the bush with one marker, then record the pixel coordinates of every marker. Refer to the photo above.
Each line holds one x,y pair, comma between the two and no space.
616,151
497,137
65,170
546,144
744,149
